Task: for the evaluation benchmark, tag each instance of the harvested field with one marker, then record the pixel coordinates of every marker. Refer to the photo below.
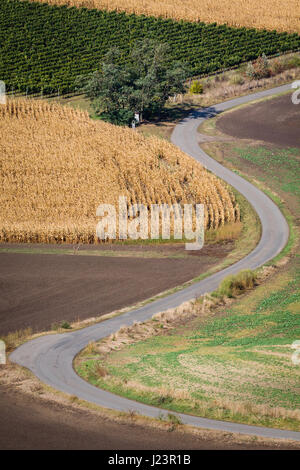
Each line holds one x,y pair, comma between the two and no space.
254,14
276,121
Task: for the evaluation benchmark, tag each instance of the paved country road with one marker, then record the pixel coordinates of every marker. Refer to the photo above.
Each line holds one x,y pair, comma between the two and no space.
50,358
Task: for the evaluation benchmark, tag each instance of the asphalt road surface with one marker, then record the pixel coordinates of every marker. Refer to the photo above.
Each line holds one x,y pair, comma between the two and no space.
51,357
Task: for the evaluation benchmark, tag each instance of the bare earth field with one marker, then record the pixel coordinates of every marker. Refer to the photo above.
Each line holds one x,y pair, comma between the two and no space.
38,290
276,121
32,423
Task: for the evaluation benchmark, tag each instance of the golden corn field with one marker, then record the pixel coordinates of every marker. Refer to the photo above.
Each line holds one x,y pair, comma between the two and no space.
269,14
57,166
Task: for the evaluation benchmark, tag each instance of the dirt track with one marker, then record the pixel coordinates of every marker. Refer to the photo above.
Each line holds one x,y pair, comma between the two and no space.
38,290
276,121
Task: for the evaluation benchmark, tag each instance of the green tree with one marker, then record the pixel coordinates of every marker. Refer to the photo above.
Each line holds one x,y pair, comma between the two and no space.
141,85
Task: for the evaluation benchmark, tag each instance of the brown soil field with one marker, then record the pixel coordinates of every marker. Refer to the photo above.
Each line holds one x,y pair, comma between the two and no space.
38,290
33,423
276,121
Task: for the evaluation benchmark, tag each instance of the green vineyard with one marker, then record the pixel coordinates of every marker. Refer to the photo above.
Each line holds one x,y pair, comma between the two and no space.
44,48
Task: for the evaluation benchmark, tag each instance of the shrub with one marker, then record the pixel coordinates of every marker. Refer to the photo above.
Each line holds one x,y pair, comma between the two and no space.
237,80
91,348
64,325
162,399
174,419
207,83
281,64
196,88
220,77
250,72
277,67
293,62
235,285
259,69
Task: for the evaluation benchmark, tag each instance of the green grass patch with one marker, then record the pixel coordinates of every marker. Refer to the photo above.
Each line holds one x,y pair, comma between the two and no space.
236,366
281,167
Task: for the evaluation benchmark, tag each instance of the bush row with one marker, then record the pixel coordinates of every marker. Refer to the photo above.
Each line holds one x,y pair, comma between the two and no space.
46,47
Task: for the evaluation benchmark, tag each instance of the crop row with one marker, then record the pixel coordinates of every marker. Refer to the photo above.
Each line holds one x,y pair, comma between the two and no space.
52,196
45,48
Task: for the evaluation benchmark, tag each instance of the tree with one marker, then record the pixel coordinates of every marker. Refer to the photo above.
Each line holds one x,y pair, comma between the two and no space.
141,85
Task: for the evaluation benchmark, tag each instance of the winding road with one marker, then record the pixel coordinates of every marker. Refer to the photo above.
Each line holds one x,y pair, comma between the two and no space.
50,357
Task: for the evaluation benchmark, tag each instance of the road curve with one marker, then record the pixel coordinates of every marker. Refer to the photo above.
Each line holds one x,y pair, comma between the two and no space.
50,357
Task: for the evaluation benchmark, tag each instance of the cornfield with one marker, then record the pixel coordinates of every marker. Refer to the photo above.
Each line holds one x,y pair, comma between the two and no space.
267,14
57,166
